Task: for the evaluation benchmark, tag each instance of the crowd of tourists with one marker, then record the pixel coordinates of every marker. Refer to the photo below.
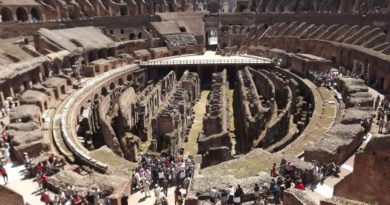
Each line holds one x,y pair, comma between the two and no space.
383,114
285,177
161,173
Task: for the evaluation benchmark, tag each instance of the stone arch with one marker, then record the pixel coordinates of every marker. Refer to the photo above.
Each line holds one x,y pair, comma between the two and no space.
111,52
66,62
123,11
120,81
36,14
74,12
57,66
132,36
139,35
6,14
103,53
112,86
21,14
129,78
104,91
241,8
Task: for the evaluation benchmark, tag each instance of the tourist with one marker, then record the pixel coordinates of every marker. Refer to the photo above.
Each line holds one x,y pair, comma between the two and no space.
163,200
256,191
157,193
299,185
213,195
381,124
165,186
288,181
77,200
273,170
138,179
146,185
43,181
4,174
178,196
275,191
45,197
224,197
124,199
238,194
94,191
161,176
6,153
186,183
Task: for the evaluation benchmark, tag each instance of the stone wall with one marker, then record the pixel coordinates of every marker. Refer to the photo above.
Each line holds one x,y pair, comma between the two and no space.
215,133
251,113
10,197
175,116
358,47
370,174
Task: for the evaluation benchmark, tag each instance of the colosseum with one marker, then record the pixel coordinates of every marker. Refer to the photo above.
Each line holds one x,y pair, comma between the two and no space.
157,102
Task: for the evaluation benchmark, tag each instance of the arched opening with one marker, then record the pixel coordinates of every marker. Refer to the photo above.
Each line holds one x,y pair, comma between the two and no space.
139,35
241,8
104,91
132,36
111,52
183,29
57,66
36,14
103,53
123,11
21,14
122,31
120,81
74,12
129,78
112,86
6,14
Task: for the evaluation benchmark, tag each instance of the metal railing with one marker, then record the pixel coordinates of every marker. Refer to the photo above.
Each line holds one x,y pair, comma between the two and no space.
204,62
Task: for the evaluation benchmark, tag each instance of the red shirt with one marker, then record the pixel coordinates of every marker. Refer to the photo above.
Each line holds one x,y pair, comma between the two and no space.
300,186
3,172
43,179
45,197
77,200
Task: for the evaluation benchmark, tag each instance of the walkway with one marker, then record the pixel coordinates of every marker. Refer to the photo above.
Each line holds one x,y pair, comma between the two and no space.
326,190
28,188
230,120
208,58
191,147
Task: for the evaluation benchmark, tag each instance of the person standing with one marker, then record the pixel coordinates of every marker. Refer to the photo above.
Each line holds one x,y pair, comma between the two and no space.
238,195
4,174
186,183
213,195
157,193
165,185
146,185
178,197
257,193
273,170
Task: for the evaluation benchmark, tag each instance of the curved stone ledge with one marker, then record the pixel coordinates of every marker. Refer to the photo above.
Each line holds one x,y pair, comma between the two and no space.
68,121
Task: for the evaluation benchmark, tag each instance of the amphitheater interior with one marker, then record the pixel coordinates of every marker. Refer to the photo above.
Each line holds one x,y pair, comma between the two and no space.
237,86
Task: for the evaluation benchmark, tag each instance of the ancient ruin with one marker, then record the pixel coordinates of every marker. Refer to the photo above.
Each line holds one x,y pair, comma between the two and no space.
104,98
